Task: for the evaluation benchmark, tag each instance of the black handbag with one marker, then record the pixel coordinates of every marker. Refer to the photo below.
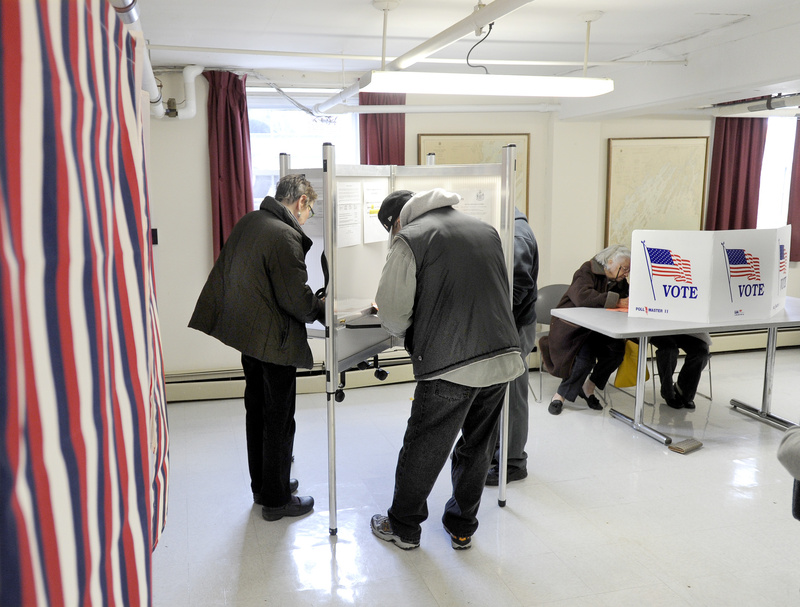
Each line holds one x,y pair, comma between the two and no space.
796,500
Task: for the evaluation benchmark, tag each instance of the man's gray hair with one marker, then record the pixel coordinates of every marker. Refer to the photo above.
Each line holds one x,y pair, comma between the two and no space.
615,252
292,187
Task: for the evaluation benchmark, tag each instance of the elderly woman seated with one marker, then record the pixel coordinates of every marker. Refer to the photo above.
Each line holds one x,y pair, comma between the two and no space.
583,358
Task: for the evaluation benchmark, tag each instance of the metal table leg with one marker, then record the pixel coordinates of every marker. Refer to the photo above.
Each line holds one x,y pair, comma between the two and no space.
637,422
764,413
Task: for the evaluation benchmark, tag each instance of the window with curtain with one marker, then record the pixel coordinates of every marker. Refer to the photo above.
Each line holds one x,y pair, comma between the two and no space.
754,174
276,129
776,172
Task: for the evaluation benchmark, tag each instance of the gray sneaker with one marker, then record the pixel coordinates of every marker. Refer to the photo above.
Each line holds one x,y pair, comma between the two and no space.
383,529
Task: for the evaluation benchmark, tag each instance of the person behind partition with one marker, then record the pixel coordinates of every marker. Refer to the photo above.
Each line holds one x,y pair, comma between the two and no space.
257,300
583,358
445,288
680,394
525,292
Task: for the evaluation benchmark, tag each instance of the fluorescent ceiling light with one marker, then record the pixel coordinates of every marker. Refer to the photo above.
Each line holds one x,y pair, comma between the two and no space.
483,84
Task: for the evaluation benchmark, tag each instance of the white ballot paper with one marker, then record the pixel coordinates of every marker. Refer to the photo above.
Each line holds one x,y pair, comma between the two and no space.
348,213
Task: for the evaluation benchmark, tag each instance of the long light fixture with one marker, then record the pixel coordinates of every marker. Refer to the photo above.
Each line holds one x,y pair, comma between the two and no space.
483,84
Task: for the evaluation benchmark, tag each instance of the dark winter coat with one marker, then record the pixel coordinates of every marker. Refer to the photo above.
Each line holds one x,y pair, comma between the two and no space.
256,298
526,271
590,288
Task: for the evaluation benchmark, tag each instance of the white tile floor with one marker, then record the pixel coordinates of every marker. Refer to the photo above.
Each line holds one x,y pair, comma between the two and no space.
607,515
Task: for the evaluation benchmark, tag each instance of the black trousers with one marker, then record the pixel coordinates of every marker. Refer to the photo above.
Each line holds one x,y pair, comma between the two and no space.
597,359
667,359
269,403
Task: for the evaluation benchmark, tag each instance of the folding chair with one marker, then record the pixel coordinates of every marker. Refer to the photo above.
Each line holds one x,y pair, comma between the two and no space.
547,299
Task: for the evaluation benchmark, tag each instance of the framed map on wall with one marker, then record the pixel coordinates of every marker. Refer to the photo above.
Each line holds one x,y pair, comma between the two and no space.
654,184
479,149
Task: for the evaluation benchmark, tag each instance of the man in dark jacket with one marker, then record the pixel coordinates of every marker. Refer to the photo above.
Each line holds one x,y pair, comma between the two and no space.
445,288
526,274
257,300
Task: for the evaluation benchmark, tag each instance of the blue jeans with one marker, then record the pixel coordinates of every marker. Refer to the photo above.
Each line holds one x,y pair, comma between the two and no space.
440,410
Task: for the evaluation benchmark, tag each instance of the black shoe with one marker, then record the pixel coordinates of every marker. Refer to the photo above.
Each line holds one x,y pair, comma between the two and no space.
555,406
687,404
293,486
674,402
297,506
592,401
514,474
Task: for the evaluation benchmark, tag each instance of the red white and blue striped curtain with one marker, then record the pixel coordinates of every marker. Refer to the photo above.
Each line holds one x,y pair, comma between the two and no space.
83,443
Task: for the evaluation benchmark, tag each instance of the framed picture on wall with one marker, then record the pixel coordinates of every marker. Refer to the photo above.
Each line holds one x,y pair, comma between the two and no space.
654,184
479,149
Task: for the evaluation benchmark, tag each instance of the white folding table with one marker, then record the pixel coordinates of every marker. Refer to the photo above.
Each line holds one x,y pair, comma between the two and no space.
619,325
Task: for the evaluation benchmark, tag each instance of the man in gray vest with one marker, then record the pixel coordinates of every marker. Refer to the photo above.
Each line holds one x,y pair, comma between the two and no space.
445,289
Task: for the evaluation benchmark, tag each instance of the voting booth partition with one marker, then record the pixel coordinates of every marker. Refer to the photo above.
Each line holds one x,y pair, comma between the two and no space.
709,276
352,245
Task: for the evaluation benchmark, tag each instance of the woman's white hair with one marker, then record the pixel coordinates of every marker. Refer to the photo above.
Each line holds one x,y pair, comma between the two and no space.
614,252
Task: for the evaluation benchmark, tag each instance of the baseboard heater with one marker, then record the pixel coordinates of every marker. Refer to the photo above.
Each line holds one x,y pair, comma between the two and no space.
229,383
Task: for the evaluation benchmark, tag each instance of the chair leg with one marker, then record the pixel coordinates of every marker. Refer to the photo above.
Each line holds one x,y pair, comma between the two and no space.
653,371
538,398
710,394
710,383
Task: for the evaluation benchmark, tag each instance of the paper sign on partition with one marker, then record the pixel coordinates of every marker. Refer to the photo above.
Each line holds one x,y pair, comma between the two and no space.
709,276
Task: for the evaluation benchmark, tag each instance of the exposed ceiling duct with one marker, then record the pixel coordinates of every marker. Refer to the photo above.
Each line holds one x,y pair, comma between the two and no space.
128,13
777,105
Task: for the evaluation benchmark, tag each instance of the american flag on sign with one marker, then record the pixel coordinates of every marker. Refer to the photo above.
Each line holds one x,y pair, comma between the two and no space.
664,262
782,259
743,265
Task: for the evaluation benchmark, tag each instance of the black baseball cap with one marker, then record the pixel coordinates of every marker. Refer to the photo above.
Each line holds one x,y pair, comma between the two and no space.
391,207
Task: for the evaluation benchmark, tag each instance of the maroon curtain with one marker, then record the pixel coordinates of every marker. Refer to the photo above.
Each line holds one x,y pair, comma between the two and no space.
383,136
735,173
229,153
794,199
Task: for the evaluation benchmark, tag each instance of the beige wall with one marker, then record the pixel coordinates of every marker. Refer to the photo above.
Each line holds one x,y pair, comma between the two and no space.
567,177
181,212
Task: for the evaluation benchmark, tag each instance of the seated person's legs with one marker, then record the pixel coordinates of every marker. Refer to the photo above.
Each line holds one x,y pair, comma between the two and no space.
697,355
598,356
570,388
609,353
666,361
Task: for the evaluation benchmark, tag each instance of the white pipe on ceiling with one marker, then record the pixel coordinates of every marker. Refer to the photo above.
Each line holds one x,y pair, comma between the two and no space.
129,15
774,103
190,74
441,109
377,59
